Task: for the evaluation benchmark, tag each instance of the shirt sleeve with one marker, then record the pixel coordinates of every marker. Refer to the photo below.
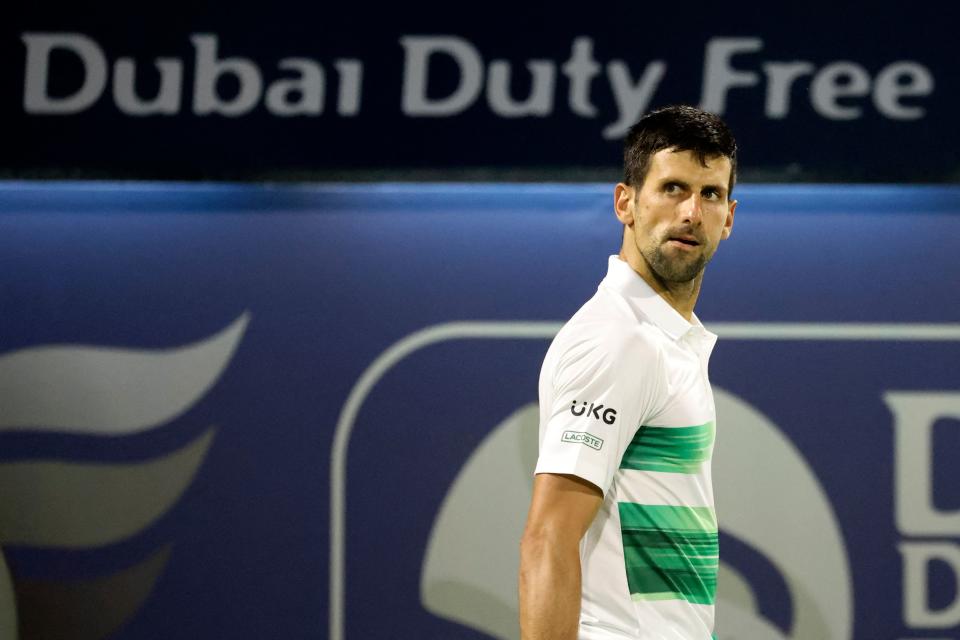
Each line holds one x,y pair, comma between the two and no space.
603,389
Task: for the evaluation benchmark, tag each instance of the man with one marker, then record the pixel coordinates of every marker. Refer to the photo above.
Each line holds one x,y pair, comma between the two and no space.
621,537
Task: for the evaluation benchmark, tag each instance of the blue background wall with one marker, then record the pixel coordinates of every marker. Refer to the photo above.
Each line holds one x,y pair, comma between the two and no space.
182,357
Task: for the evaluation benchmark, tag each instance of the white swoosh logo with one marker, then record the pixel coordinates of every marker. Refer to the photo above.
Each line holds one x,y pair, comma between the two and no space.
101,391
53,503
68,504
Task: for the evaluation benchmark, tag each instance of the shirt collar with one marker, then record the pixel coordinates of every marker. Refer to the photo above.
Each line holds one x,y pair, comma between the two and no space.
624,280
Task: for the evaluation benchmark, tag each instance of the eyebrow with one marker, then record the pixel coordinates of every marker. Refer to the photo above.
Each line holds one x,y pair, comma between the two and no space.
685,185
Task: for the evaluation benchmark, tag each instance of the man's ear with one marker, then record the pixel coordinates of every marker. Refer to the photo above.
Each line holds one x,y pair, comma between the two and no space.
728,223
622,197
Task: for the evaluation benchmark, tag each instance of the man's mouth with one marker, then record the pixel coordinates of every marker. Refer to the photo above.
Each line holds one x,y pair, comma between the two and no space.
689,241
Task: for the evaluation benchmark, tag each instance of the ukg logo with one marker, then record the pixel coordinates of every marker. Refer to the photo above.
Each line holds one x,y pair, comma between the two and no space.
80,505
596,411
470,567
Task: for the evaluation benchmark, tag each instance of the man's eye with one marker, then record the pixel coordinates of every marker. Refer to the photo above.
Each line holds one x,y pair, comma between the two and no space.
711,195
671,188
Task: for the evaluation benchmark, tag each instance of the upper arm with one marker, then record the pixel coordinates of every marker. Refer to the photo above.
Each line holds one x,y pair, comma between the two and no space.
562,507
603,388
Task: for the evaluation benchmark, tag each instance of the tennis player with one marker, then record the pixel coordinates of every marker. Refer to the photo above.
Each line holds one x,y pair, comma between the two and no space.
621,537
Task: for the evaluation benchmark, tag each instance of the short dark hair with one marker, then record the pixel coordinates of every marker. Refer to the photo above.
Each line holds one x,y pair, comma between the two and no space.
681,128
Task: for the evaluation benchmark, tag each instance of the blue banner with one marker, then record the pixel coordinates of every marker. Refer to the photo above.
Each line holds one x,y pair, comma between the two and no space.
310,412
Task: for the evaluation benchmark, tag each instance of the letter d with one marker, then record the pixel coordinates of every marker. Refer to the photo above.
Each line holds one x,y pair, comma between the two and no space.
916,609
419,49
915,414
35,96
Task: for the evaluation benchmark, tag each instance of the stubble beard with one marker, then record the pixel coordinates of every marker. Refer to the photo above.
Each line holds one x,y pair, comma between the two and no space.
679,269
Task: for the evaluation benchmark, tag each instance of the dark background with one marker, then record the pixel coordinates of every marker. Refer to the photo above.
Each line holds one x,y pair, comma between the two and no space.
383,143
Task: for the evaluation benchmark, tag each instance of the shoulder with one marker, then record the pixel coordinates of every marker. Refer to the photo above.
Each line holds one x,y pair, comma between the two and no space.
599,344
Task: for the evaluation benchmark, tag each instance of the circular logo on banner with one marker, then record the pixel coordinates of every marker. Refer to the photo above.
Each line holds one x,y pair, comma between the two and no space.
767,497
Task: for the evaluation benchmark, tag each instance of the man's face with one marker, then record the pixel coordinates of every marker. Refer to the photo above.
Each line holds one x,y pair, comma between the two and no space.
681,213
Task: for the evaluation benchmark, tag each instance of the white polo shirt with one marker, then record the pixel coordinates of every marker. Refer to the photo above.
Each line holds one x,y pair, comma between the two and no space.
625,403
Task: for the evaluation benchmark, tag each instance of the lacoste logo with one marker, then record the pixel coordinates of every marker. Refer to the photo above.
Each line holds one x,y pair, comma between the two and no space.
56,501
609,415
583,437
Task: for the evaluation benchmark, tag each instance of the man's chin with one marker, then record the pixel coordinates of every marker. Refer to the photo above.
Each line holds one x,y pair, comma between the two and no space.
679,274
671,268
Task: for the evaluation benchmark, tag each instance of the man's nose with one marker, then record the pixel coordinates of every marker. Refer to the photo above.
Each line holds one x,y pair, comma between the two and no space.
692,209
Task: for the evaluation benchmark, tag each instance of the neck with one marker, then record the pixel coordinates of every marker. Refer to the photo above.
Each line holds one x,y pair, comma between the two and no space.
682,296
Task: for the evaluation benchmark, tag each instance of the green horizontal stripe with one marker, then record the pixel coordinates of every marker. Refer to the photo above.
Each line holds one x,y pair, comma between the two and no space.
647,516
670,552
670,449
